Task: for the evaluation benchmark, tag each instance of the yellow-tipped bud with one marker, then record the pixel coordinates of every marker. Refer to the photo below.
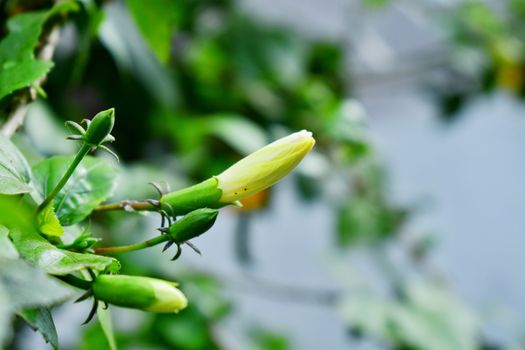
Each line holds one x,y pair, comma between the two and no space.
137,292
264,167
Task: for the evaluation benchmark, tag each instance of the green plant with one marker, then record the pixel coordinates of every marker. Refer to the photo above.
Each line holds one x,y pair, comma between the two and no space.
59,193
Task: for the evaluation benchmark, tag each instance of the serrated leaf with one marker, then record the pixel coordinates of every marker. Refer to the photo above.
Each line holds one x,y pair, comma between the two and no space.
14,170
40,320
91,184
28,286
48,222
104,318
39,252
18,66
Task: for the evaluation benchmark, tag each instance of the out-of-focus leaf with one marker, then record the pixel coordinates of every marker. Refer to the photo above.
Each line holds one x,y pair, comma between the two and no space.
27,286
264,339
18,65
133,179
428,318
239,133
208,293
94,338
104,318
14,170
91,184
120,36
5,316
367,216
39,252
188,330
156,20
40,320
48,222
45,131
434,319
7,249
376,3
368,314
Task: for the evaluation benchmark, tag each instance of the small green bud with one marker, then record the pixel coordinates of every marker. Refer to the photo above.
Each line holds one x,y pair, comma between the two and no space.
136,292
192,224
100,127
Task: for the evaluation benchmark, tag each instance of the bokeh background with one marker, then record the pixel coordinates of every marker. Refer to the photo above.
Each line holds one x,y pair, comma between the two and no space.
404,229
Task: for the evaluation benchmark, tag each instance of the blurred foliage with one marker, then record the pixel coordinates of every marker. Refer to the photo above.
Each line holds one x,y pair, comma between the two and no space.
488,50
205,82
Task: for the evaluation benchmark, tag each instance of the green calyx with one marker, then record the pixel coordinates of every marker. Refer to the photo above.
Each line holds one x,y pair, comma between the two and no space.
192,225
202,195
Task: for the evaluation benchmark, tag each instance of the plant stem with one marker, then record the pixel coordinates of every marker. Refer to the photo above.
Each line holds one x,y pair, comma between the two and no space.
78,158
18,111
75,281
126,205
132,247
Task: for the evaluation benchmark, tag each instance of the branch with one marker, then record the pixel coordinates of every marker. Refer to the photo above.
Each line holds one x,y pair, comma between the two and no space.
128,205
17,115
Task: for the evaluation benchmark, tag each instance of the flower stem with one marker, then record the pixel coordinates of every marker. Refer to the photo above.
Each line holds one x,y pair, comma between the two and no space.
75,281
76,161
126,205
132,247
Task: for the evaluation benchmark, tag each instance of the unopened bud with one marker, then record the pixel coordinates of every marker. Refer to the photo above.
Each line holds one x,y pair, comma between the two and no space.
136,292
264,167
250,175
100,127
192,224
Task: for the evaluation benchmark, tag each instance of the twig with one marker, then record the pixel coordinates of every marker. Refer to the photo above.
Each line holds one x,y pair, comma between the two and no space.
17,115
128,205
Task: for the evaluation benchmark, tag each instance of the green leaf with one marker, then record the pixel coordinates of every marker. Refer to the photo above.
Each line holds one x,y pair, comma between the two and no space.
265,339
48,222
91,184
5,316
18,65
104,318
435,319
429,317
120,36
28,286
156,20
7,249
39,252
40,320
93,337
14,170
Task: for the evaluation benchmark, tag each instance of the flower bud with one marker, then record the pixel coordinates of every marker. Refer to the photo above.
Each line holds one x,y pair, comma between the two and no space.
250,175
100,128
192,224
144,293
264,167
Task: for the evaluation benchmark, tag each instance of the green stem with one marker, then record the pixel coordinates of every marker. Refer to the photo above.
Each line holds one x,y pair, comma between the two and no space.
76,161
124,205
75,281
132,247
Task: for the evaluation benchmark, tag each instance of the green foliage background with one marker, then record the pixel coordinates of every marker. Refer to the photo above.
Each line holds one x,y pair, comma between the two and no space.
196,86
